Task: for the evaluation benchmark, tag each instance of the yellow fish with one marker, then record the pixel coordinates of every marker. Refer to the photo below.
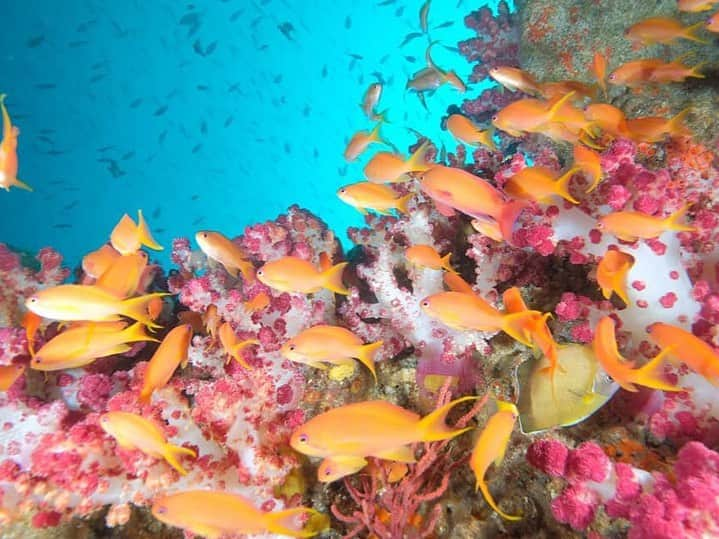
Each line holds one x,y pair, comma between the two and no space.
74,302
122,278
490,447
223,250
215,514
696,353
427,257
9,374
8,152
632,225
464,130
331,344
97,262
83,344
371,196
132,431
540,184
172,352
360,140
612,272
232,345
127,237
388,167
295,274
348,434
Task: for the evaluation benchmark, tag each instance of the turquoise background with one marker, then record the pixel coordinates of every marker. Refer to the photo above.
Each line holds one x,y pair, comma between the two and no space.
249,128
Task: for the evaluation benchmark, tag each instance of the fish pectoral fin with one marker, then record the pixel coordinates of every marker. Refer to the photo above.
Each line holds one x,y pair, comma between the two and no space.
403,453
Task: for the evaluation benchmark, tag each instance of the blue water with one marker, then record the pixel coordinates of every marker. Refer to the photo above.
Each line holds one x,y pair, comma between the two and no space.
208,121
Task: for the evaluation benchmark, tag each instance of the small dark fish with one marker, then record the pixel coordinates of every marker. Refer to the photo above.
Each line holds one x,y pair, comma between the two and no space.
229,120
197,47
197,148
287,148
128,155
306,111
161,110
85,26
203,127
342,171
409,37
203,87
348,22
190,19
198,221
277,78
315,153
98,77
44,86
445,24
45,138
46,131
195,197
115,169
159,230
105,149
355,56
410,59
324,71
70,206
450,48
263,47
54,152
97,65
162,136
236,15
399,11
36,41
56,182
384,59
136,103
120,32
210,48
256,21
156,212
62,225
76,44
386,3
286,28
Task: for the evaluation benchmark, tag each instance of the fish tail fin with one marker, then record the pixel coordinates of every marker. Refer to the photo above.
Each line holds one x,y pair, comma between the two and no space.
508,216
486,138
332,279
21,184
145,235
672,222
403,202
433,428
695,71
446,264
619,284
482,486
136,333
382,117
171,453
416,162
516,325
136,308
366,356
676,127
285,522
374,135
689,32
235,352
650,375
561,185
552,113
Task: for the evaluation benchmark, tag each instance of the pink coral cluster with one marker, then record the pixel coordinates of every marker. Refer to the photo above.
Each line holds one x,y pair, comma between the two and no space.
682,503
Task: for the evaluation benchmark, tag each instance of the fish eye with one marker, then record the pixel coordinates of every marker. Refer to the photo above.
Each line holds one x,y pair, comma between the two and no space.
103,420
612,76
328,472
33,299
425,303
260,273
36,360
292,347
162,510
494,117
204,234
343,190
303,438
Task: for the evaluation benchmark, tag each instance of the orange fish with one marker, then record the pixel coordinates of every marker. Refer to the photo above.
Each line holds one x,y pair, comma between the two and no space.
528,115
675,71
695,6
122,277
515,79
71,302
8,152
221,249
154,308
622,371
558,89
455,189
294,274
534,328
360,140
456,284
427,257
663,30
127,237
211,321
233,346
634,73
387,167
612,272
490,448
608,118
351,433
31,323
599,69
81,345
372,196
690,349
9,375
540,184
369,103
713,23
464,130
469,312
632,225
134,432
97,262
330,344
214,514
655,128
172,352
258,302
589,163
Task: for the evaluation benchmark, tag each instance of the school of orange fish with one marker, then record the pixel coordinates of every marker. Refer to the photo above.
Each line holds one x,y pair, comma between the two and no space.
95,313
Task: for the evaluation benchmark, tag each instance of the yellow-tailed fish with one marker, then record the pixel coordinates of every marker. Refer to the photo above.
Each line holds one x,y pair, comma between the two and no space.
295,274
31,323
9,375
73,302
388,167
490,447
426,256
360,140
540,184
127,236
122,277
223,250
8,152
514,79
132,431
233,346
331,344
464,130
696,353
372,196
612,272
214,514
172,352
83,344
633,225
589,163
